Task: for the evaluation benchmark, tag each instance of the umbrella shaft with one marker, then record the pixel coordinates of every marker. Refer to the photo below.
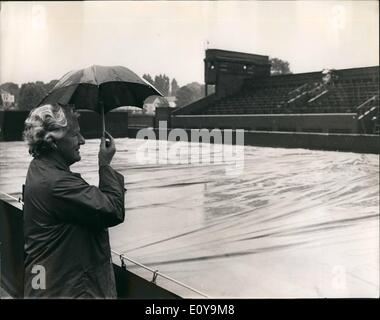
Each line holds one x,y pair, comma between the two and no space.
103,120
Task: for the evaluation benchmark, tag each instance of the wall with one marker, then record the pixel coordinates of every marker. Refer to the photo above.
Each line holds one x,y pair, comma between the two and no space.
12,125
11,250
314,141
338,123
163,114
117,123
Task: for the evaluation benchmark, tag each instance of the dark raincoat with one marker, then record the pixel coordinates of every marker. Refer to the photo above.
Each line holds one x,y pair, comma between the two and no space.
65,229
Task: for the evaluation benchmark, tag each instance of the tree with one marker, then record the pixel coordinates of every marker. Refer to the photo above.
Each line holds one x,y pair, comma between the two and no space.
148,78
31,94
174,87
279,66
167,85
162,83
198,90
184,96
190,93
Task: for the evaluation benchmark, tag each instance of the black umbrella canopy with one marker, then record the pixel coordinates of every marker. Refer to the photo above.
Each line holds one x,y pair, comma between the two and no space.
98,87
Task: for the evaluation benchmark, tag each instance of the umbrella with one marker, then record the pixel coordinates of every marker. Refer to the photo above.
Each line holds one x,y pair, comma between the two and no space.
101,89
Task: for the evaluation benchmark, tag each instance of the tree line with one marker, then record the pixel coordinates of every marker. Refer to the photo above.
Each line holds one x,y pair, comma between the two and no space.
184,95
30,94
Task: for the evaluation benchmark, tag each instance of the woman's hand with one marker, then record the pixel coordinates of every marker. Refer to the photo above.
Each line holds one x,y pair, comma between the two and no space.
107,149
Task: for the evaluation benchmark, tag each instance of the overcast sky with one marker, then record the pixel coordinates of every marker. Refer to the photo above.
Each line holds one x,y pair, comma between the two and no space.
44,40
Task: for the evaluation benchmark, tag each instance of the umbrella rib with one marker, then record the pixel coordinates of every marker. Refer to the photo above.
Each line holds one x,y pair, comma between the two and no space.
97,85
93,73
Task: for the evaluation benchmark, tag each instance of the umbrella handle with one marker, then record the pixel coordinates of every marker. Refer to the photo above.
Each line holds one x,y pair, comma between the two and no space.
103,119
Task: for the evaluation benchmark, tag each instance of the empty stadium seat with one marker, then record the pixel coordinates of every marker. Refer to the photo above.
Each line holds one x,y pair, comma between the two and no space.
303,93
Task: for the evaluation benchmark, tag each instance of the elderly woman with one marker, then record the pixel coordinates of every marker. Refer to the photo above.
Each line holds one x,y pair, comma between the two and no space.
66,219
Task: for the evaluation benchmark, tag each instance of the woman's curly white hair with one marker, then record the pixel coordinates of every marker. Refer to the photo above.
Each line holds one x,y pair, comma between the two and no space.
45,125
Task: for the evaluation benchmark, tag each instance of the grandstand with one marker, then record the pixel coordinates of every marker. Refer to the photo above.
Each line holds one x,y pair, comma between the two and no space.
248,97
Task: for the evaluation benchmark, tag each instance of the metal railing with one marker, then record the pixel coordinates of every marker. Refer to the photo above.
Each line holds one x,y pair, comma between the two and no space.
156,273
11,197
318,96
365,103
297,90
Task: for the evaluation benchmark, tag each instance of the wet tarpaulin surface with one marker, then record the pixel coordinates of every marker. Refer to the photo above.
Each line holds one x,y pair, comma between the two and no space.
280,223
